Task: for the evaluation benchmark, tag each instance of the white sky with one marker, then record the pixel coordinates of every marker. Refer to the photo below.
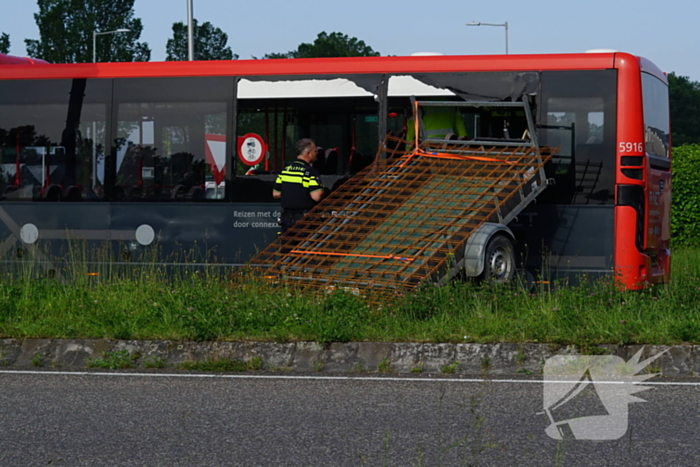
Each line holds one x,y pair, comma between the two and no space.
665,32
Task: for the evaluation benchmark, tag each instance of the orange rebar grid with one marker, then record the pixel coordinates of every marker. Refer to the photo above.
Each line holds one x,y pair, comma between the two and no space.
402,220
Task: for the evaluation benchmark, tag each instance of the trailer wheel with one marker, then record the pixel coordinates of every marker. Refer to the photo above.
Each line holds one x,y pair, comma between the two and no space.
499,261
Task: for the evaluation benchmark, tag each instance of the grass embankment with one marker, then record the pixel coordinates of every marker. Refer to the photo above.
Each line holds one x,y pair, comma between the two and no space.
199,307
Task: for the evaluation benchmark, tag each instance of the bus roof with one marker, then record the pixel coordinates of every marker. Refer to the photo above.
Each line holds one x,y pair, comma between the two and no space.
12,60
327,67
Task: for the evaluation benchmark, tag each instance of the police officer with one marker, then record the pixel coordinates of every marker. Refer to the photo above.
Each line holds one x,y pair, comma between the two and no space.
299,186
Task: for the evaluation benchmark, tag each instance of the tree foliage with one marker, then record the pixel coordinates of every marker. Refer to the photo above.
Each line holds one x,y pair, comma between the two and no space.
4,43
209,43
334,44
684,97
279,55
686,196
66,28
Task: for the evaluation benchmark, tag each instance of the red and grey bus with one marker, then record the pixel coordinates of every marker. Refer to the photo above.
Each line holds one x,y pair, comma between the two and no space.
180,157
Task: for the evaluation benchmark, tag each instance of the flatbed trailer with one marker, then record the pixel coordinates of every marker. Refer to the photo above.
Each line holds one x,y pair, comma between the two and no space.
413,217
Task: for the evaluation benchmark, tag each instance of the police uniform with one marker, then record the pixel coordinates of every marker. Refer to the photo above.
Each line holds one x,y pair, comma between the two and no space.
296,183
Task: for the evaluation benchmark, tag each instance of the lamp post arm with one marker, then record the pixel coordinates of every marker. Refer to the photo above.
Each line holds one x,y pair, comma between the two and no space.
506,37
505,25
94,40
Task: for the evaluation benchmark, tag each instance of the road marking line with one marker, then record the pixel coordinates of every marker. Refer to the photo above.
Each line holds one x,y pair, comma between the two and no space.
333,378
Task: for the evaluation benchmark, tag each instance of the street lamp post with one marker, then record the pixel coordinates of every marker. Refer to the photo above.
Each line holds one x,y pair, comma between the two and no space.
190,31
505,25
94,40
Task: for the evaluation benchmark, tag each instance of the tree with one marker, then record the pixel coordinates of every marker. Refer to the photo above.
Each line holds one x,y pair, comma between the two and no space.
685,227
685,109
209,43
279,55
4,43
66,28
334,44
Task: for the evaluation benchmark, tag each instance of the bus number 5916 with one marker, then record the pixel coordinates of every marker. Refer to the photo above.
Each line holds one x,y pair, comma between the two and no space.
631,147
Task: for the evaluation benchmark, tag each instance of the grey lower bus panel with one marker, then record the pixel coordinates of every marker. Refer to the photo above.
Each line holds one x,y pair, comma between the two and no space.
552,241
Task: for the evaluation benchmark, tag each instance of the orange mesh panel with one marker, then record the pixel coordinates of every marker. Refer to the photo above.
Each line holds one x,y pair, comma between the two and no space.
402,221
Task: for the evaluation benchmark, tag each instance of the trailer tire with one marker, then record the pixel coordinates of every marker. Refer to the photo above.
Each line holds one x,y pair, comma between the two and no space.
499,261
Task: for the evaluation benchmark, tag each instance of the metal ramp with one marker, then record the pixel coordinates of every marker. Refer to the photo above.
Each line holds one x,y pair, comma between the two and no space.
405,220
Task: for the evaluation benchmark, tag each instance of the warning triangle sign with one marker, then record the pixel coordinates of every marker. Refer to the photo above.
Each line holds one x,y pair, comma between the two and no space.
215,151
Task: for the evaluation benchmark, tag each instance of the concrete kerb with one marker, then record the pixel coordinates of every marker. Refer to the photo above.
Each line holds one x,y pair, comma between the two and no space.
468,358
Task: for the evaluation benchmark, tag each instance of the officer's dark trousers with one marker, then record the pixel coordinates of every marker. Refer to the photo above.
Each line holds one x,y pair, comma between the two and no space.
289,218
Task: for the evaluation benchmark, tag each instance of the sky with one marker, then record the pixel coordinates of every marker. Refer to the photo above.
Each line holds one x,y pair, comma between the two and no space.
663,31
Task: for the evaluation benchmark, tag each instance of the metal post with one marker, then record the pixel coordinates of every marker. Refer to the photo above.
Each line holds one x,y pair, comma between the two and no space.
94,40
479,23
94,154
94,124
231,143
190,32
383,110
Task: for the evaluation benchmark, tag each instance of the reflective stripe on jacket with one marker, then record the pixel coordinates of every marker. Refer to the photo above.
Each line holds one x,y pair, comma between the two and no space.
296,182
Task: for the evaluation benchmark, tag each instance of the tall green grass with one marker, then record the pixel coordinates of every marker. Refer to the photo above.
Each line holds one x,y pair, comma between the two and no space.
146,303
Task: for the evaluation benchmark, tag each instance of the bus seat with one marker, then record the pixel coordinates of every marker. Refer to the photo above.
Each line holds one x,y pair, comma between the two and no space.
119,194
52,193
330,165
196,193
135,194
72,193
320,162
178,192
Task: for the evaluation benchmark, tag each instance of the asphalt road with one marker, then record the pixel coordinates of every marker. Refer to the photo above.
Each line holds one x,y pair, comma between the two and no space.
76,419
